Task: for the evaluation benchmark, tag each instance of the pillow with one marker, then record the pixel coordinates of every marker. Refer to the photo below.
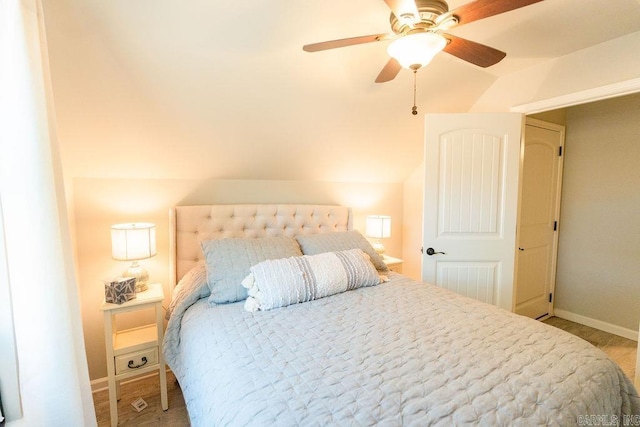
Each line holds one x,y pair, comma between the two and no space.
228,262
194,281
282,282
313,244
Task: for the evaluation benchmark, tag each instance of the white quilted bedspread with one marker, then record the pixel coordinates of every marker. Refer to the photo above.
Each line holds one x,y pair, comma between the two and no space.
401,353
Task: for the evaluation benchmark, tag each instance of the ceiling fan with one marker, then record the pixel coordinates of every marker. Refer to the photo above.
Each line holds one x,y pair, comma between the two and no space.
419,34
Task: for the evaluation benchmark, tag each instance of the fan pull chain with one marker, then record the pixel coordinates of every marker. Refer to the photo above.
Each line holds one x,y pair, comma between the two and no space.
414,109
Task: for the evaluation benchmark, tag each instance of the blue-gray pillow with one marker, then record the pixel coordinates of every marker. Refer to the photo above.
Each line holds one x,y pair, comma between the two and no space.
313,244
228,262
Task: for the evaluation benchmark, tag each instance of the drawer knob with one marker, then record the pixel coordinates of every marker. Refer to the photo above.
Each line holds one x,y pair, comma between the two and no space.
132,366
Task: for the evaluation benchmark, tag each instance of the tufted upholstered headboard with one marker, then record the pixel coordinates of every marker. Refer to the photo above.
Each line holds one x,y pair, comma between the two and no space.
192,224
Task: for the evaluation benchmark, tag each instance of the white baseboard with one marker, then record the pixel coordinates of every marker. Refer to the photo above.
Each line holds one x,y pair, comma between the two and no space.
101,384
598,324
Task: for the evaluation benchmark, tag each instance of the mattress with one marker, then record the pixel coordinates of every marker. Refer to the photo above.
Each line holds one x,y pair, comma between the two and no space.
400,353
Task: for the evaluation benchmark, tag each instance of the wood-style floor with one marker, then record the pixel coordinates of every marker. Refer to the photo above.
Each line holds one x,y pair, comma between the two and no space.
149,389
621,350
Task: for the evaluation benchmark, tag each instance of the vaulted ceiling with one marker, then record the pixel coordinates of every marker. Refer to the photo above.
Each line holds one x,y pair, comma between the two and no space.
213,89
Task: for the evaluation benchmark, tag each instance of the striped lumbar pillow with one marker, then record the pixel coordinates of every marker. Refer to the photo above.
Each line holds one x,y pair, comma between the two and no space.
286,281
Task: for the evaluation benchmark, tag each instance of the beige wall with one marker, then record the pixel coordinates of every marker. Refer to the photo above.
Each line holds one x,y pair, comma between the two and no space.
604,64
102,202
413,218
558,117
599,249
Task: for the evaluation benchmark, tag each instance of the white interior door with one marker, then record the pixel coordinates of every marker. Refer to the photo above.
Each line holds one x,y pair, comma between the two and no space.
472,166
539,214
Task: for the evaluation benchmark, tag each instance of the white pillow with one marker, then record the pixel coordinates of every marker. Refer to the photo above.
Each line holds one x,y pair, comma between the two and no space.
282,282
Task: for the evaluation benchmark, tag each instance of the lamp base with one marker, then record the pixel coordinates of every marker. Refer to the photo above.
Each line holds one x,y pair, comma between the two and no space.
141,287
136,271
378,247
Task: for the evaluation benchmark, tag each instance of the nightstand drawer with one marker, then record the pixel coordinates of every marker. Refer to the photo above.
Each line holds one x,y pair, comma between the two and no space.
132,361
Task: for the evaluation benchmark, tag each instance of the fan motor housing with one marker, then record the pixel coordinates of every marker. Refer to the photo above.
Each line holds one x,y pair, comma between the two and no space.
429,11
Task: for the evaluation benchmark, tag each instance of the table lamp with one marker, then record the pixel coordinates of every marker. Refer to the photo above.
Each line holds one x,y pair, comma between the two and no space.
378,227
133,242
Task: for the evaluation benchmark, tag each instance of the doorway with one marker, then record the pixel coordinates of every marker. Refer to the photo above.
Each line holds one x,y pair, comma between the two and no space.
538,218
491,201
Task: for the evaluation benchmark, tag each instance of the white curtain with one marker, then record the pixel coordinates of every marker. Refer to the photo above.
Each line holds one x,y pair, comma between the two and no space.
53,378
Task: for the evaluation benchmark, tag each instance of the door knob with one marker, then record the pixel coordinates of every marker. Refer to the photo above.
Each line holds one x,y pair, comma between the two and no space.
431,251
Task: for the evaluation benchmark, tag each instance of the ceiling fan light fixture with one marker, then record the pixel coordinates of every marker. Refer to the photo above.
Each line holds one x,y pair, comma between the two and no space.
416,50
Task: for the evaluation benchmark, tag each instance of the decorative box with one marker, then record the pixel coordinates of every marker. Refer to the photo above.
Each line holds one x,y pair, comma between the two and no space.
120,290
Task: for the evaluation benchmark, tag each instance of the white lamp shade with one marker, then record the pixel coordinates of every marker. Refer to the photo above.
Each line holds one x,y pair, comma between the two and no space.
379,226
414,51
133,241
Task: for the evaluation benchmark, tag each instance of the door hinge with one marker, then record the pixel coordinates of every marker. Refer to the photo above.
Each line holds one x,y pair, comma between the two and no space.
555,225
550,297
560,151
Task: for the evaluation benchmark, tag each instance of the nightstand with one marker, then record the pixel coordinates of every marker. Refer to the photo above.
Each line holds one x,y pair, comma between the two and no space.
393,264
136,351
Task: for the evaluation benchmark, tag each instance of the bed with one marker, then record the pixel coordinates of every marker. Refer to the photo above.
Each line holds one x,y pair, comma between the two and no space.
399,352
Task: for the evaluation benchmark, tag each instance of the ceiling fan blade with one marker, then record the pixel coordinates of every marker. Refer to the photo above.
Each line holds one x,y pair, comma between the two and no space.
405,10
333,44
480,9
389,72
476,53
